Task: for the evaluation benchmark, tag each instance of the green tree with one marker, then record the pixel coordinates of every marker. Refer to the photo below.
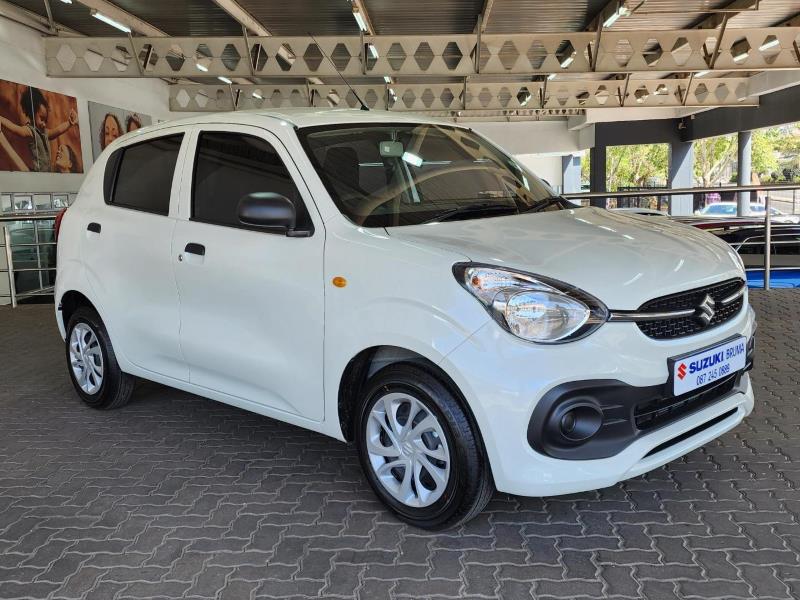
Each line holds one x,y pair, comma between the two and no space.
765,153
713,159
636,165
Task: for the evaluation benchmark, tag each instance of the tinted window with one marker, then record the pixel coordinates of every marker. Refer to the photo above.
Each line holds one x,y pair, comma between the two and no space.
232,165
144,178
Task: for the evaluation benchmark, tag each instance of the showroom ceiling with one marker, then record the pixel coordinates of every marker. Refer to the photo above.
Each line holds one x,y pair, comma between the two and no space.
479,57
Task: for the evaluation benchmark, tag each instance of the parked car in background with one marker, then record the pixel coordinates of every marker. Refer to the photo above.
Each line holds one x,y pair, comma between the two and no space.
728,209
749,242
405,285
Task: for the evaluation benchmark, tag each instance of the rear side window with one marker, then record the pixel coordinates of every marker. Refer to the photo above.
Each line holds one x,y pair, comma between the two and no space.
144,176
231,165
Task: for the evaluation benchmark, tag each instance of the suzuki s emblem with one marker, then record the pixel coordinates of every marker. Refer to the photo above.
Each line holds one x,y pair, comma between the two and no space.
705,310
682,371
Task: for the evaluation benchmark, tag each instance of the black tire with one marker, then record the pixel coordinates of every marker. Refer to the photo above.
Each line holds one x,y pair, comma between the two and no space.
116,387
469,486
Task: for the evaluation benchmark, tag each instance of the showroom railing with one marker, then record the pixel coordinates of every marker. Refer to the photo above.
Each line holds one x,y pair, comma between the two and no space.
660,199
27,243
28,246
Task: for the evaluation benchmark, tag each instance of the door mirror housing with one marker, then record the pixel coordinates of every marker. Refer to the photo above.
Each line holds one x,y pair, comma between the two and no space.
268,210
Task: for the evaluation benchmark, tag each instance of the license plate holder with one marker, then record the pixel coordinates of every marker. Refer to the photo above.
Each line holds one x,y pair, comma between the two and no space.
699,368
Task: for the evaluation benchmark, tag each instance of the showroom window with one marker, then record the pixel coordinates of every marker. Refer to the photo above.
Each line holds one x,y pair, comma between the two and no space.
231,165
144,178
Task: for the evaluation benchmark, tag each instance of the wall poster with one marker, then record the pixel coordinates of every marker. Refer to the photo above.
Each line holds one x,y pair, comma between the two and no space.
108,123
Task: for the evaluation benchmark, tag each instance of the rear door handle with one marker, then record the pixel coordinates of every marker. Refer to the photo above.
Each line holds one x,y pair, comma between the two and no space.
93,227
193,248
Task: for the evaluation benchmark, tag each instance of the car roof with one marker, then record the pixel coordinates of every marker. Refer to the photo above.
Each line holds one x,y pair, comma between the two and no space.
299,117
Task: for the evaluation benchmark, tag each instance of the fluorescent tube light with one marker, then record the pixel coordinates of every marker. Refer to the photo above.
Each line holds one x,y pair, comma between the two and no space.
109,21
373,51
362,24
387,79
551,76
225,80
612,19
201,67
67,1
257,96
567,61
701,73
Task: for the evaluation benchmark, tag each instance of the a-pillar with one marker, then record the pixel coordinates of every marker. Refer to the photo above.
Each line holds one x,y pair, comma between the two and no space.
571,173
744,171
597,174
681,175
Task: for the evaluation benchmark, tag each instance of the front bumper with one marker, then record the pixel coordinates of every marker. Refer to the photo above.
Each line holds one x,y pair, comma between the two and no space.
504,379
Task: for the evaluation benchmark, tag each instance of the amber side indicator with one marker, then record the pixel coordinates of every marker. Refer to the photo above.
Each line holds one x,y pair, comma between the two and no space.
339,282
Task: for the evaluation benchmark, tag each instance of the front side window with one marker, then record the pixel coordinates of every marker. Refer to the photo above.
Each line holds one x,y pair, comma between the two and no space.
387,175
230,166
144,174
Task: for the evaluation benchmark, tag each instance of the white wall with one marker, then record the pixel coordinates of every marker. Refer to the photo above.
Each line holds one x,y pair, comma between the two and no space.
539,145
22,52
546,166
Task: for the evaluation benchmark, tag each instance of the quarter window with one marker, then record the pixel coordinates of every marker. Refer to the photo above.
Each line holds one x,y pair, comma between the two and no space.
144,176
231,165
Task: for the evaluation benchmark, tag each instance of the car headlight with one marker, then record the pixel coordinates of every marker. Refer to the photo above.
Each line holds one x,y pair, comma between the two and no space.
534,308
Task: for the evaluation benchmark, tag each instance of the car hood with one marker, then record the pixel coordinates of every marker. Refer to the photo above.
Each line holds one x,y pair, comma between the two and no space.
624,260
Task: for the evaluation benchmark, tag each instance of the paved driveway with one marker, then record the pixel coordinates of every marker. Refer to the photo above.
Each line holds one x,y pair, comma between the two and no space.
176,496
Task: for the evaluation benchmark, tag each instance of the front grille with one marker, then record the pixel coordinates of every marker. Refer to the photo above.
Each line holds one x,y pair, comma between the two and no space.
683,326
657,413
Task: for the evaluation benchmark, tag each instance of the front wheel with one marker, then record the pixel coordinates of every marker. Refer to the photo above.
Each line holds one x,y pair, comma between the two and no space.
419,450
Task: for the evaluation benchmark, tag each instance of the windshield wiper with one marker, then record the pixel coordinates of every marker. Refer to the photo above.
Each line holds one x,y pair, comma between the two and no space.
472,208
544,203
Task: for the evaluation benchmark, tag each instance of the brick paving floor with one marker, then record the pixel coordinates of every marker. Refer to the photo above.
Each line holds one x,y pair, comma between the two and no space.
175,496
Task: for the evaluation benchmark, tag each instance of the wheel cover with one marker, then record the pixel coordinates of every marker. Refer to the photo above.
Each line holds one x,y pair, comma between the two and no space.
86,358
407,449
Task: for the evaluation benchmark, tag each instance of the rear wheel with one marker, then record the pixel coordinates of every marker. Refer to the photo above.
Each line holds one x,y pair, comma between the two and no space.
419,450
92,364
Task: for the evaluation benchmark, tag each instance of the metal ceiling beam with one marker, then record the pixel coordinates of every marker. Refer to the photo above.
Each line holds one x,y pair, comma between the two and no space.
483,18
33,20
437,55
243,17
505,98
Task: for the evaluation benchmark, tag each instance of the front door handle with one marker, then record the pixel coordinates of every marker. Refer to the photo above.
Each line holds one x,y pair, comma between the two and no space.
93,227
193,248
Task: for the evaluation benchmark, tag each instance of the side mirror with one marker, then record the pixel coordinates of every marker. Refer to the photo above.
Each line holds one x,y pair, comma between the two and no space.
268,210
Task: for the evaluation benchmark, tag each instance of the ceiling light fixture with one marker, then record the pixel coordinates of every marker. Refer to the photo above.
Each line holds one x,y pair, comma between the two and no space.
109,21
620,11
373,51
387,79
201,67
225,80
67,1
362,24
257,96
701,73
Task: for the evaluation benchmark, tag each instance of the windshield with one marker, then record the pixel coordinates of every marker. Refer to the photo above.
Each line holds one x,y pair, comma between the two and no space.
387,175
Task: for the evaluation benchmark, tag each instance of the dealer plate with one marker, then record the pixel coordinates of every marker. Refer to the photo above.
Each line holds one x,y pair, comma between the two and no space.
695,370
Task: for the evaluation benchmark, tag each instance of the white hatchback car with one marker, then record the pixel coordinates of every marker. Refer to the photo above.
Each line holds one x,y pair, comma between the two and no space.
405,285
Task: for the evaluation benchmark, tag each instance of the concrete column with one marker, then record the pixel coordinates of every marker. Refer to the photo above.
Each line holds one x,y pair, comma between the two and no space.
597,174
681,175
571,173
744,171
